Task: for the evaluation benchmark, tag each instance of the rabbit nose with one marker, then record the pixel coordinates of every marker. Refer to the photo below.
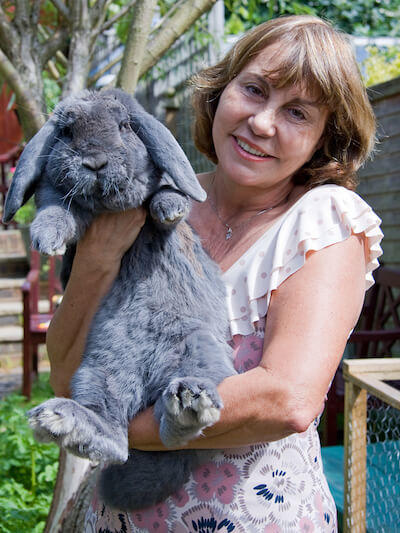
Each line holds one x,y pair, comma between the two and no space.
95,161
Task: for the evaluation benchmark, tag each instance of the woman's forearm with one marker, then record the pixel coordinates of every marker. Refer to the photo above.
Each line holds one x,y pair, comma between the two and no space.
68,330
254,411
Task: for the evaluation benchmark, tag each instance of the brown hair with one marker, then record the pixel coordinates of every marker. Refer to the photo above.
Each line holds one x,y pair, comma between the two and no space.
314,54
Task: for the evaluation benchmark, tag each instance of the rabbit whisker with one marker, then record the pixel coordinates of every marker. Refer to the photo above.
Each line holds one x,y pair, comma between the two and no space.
71,192
67,145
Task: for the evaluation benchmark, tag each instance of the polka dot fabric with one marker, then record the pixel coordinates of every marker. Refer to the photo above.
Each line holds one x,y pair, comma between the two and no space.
323,216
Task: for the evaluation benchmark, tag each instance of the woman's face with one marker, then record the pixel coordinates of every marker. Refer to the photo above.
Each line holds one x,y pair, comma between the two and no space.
263,135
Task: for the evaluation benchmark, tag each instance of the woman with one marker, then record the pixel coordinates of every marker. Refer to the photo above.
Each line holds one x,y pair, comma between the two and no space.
287,122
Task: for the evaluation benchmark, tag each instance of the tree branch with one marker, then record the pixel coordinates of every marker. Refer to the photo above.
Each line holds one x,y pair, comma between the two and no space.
62,8
35,12
99,16
102,71
180,22
53,44
8,36
24,98
21,16
168,14
136,45
116,17
157,44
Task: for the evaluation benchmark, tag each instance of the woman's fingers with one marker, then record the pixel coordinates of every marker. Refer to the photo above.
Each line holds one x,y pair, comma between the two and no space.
111,234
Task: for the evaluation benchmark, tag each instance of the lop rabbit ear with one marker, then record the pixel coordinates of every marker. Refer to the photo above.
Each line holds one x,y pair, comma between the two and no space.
163,148
29,169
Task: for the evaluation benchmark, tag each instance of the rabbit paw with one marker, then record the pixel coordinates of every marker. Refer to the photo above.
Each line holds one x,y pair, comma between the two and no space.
77,429
168,207
52,229
190,405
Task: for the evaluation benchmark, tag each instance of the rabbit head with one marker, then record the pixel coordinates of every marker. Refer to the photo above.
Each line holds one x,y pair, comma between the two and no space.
104,152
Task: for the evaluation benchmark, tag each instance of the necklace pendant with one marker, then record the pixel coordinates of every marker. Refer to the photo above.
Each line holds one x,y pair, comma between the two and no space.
228,234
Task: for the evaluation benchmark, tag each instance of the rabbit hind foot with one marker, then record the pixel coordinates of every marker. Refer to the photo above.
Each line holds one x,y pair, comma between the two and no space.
77,429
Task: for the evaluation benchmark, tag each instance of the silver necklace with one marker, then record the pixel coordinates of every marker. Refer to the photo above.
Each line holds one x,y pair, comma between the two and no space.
230,228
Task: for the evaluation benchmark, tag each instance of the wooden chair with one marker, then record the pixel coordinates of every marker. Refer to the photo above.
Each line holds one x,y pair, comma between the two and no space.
36,323
375,336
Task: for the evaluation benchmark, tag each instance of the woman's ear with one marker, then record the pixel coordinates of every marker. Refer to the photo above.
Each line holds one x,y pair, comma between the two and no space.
29,169
162,147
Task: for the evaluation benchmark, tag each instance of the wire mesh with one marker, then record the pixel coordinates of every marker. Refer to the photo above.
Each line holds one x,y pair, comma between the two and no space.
383,467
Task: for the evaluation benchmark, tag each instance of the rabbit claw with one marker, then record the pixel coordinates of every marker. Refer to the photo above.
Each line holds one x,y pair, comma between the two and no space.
190,405
168,207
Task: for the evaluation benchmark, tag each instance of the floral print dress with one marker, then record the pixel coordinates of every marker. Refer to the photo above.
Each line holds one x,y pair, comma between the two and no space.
276,487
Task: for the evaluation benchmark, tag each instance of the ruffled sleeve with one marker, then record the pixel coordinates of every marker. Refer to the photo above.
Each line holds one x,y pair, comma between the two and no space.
323,216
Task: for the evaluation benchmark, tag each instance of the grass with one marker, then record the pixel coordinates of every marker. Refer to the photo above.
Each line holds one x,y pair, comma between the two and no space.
27,469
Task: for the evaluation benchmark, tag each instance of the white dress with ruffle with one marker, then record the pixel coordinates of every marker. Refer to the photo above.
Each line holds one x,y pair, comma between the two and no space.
269,487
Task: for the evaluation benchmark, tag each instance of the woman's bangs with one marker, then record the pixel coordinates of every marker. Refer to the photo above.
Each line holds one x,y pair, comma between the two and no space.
299,65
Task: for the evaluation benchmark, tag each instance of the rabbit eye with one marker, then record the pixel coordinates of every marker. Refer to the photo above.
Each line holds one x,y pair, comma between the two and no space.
67,132
124,125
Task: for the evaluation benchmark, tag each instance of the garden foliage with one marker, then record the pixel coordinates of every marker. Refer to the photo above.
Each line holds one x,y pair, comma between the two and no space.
27,469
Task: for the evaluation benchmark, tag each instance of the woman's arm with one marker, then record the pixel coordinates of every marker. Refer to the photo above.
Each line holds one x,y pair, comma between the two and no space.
95,267
309,319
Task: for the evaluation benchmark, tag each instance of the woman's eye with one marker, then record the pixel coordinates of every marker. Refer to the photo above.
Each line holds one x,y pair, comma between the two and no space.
254,90
297,113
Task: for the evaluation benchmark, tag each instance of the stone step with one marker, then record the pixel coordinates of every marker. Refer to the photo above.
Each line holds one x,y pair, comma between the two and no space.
10,320
13,259
11,243
11,282
8,349
14,265
10,287
15,307
11,334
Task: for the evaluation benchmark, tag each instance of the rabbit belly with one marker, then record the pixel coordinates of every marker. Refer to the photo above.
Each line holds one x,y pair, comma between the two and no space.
146,478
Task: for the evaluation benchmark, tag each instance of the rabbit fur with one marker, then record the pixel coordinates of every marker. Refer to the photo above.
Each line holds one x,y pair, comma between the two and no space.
159,335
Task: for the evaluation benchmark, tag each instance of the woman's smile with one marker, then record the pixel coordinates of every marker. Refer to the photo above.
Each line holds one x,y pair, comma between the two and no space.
249,151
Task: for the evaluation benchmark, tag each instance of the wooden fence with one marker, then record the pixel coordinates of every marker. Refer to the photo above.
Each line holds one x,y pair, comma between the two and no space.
380,178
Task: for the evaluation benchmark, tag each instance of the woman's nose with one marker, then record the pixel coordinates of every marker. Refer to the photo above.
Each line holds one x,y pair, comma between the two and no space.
263,123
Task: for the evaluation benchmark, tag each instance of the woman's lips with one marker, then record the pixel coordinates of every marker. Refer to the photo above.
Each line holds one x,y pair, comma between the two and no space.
248,151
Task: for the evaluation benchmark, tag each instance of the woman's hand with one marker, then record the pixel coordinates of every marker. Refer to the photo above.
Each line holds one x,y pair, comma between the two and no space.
109,236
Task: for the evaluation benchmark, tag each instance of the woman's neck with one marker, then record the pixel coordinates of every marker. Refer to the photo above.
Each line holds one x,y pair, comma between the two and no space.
235,200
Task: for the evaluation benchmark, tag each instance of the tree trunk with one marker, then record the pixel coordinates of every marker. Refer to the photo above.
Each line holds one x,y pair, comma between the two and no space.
136,45
75,481
80,47
176,26
29,103
80,52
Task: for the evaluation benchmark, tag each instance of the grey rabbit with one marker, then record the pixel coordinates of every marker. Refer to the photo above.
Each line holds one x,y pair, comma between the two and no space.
159,335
